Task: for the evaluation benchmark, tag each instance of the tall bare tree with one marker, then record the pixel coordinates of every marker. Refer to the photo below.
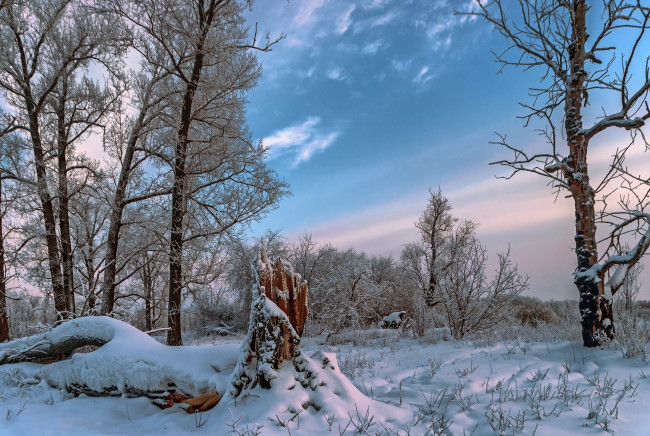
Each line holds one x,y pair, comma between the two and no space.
45,44
218,179
7,125
579,66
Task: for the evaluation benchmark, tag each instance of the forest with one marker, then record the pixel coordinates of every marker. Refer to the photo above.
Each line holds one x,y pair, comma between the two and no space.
129,181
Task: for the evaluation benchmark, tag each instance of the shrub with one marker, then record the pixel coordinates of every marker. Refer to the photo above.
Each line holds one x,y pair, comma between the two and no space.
533,311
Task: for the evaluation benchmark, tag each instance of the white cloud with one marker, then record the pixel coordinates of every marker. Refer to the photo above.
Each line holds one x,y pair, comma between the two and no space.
345,21
374,4
316,145
423,76
373,47
384,19
434,29
303,140
402,66
376,21
291,136
306,11
335,74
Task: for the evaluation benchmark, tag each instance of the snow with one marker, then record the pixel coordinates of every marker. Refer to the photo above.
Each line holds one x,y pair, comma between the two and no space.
394,384
394,319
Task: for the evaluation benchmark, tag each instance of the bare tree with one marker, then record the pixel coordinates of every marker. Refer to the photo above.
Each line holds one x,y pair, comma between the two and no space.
45,44
471,303
435,225
577,68
448,267
6,127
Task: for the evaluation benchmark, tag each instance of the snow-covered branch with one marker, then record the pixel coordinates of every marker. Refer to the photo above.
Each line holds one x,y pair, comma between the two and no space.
624,261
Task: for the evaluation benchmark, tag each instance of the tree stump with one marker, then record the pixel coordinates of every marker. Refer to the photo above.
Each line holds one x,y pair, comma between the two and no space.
285,288
278,314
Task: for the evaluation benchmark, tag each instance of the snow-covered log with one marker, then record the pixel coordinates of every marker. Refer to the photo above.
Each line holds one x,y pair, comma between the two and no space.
393,321
61,341
128,362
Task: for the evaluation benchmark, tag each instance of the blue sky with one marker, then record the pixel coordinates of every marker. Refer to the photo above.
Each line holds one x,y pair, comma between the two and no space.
366,104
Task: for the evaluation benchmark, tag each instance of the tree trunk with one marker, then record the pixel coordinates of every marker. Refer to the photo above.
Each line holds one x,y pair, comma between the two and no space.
90,268
4,320
113,238
593,307
180,181
64,200
49,220
148,285
431,297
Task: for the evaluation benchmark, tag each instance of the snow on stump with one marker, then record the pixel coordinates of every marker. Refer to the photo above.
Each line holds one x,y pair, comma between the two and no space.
276,375
278,315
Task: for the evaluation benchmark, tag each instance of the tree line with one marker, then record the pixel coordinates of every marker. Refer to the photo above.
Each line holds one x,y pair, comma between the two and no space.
162,85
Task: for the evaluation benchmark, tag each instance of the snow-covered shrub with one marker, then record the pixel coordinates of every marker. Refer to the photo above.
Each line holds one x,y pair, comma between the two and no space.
353,364
533,311
633,337
567,311
217,317
28,313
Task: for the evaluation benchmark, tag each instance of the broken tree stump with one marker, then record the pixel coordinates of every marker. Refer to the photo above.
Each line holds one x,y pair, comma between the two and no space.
285,288
278,314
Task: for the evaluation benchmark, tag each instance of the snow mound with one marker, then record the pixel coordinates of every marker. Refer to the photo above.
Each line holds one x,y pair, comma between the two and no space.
325,396
130,362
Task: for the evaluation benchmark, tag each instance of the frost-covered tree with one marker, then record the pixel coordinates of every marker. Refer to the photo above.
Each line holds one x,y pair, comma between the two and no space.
448,266
6,127
470,301
585,52
46,45
425,260
434,225
218,176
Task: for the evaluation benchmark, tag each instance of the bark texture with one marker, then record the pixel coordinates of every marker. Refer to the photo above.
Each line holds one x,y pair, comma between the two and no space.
4,320
593,307
273,328
64,199
206,17
286,289
112,240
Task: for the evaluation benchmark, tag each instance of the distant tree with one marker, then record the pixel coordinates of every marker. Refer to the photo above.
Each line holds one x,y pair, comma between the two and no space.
451,260
472,303
435,226
579,67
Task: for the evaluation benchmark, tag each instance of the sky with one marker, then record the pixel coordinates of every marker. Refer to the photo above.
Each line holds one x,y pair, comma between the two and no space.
367,104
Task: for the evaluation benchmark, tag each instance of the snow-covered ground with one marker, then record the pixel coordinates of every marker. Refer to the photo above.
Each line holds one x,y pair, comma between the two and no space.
403,386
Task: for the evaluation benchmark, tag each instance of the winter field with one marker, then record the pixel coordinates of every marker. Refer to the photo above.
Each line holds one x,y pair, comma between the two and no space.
399,385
